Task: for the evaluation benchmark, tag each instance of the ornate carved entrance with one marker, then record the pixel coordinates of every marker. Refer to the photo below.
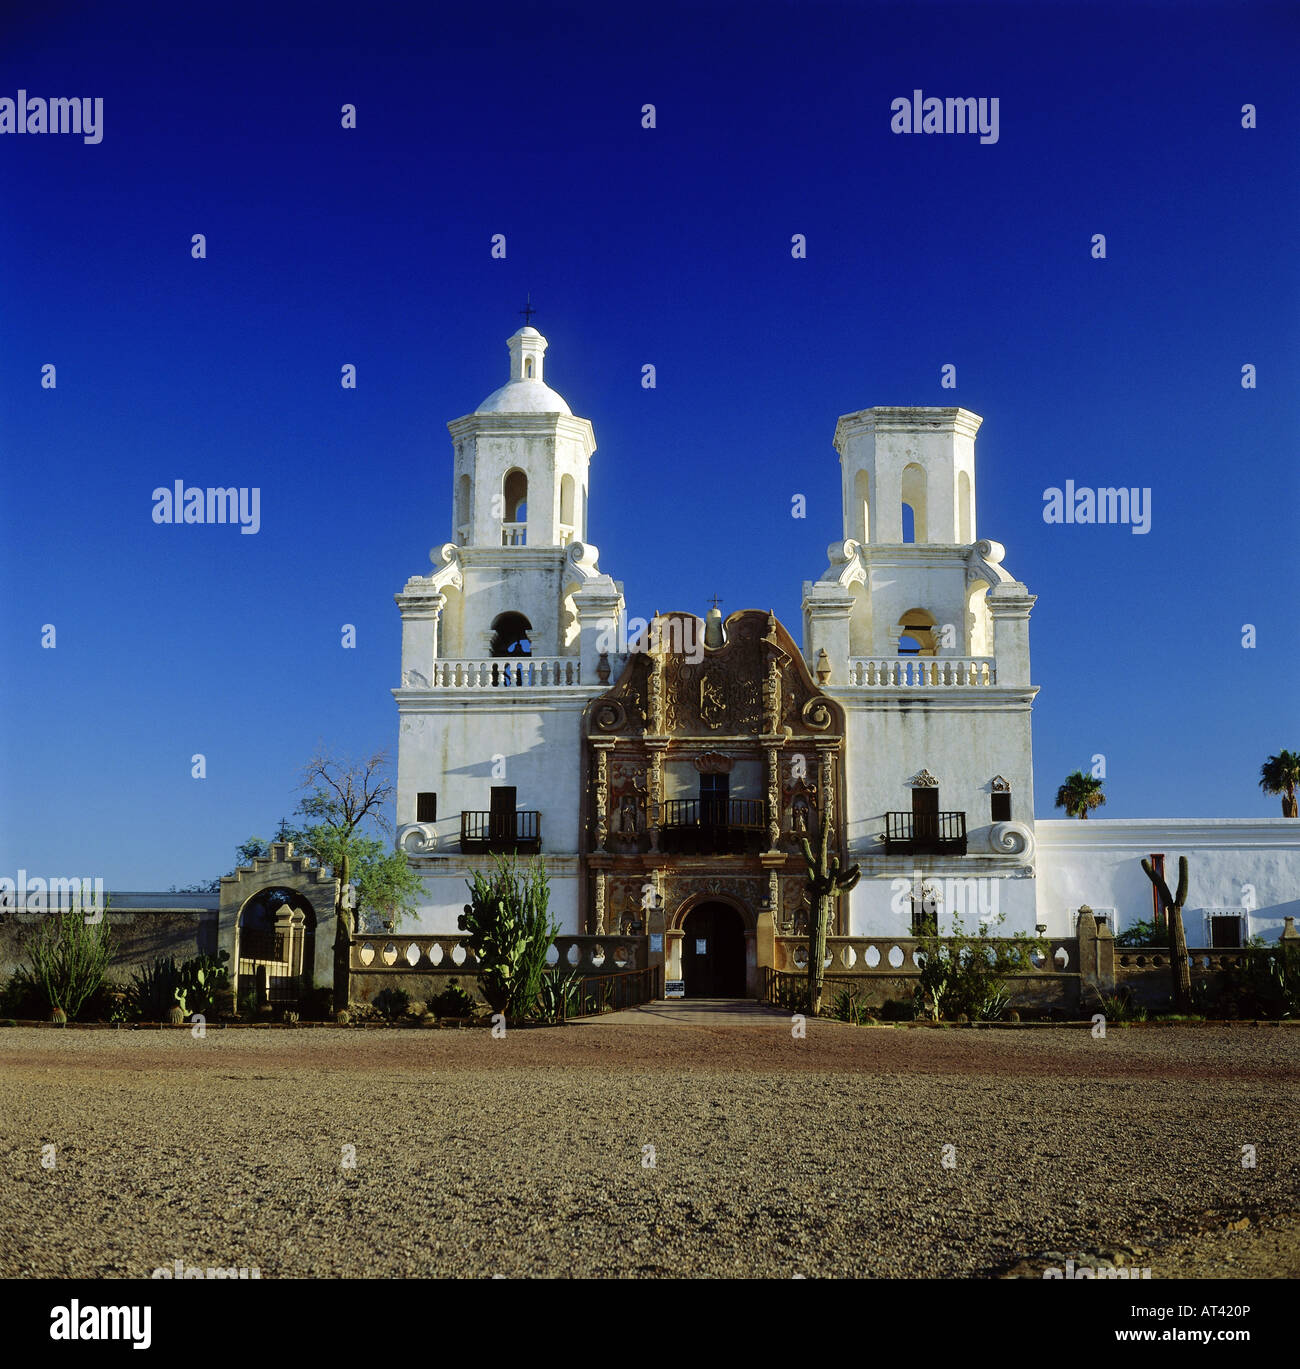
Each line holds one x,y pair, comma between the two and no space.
703,770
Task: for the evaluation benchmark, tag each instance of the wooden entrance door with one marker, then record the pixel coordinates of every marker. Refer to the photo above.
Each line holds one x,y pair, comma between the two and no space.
713,952
501,813
925,815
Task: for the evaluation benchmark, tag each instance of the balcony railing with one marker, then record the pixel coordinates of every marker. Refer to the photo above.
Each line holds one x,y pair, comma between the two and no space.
925,834
508,672
922,672
514,534
717,826
501,832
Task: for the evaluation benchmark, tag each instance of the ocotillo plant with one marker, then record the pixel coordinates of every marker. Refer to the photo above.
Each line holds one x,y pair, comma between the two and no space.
1177,936
824,882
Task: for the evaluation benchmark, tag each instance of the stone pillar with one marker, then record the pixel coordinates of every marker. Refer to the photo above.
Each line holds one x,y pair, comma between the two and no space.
827,608
673,945
654,925
1009,607
421,612
1096,959
599,606
765,942
1288,934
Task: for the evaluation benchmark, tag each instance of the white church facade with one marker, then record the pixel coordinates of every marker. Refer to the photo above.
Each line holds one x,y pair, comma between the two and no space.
667,780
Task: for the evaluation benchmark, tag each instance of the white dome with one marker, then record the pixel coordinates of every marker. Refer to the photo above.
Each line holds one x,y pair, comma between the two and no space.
524,397
525,392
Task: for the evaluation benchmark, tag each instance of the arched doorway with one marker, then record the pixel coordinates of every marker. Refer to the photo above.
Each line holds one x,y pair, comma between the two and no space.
713,952
275,947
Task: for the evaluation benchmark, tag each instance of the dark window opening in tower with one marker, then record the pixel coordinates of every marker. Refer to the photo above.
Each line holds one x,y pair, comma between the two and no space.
510,635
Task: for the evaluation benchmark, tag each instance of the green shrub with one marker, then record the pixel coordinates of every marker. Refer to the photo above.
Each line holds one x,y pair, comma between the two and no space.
1143,934
1266,985
202,978
898,1010
69,959
964,973
21,997
848,1007
510,932
154,990
994,1006
392,1002
1119,1007
557,992
453,1001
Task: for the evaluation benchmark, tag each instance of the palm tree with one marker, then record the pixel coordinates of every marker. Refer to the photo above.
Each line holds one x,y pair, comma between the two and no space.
1080,793
1280,774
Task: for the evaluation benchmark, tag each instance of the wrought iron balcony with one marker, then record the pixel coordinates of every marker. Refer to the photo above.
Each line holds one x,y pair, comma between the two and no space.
519,832
714,826
925,834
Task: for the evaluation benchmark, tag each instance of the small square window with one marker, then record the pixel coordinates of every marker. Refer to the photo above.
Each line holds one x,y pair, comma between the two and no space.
426,807
1225,932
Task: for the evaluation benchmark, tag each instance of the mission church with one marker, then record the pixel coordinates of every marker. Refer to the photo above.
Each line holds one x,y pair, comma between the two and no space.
667,784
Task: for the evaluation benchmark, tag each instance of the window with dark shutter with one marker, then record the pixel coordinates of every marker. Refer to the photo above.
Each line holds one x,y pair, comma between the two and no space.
1000,808
426,807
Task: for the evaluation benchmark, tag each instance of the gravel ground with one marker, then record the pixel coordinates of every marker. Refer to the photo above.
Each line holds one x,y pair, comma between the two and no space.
772,1156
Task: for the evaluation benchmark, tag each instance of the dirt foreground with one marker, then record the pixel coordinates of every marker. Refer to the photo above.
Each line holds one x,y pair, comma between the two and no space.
672,1143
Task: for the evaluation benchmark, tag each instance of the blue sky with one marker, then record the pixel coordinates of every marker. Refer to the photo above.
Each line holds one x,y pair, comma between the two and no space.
668,246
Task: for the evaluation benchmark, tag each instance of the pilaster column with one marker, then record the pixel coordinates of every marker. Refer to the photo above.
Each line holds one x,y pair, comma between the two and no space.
600,795
827,609
773,797
1009,606
655,749
601,893
421,614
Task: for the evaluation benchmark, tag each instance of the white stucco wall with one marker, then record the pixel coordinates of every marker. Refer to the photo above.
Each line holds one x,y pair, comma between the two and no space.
964,737
445,893
1232,863
460,743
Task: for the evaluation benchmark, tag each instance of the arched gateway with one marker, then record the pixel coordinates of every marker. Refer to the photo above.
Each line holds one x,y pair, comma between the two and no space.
277,922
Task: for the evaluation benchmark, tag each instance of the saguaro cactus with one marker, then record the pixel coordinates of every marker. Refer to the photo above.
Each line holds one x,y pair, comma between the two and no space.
1177,936
825,881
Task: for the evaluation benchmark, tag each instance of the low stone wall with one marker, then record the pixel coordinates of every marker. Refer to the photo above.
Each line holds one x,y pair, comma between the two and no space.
422,966
138,937
880,969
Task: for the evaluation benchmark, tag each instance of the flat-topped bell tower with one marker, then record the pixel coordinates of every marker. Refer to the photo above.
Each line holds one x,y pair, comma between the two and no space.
908,465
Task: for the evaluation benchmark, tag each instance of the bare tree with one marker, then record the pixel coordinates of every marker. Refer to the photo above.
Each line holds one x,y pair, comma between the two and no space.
339,795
